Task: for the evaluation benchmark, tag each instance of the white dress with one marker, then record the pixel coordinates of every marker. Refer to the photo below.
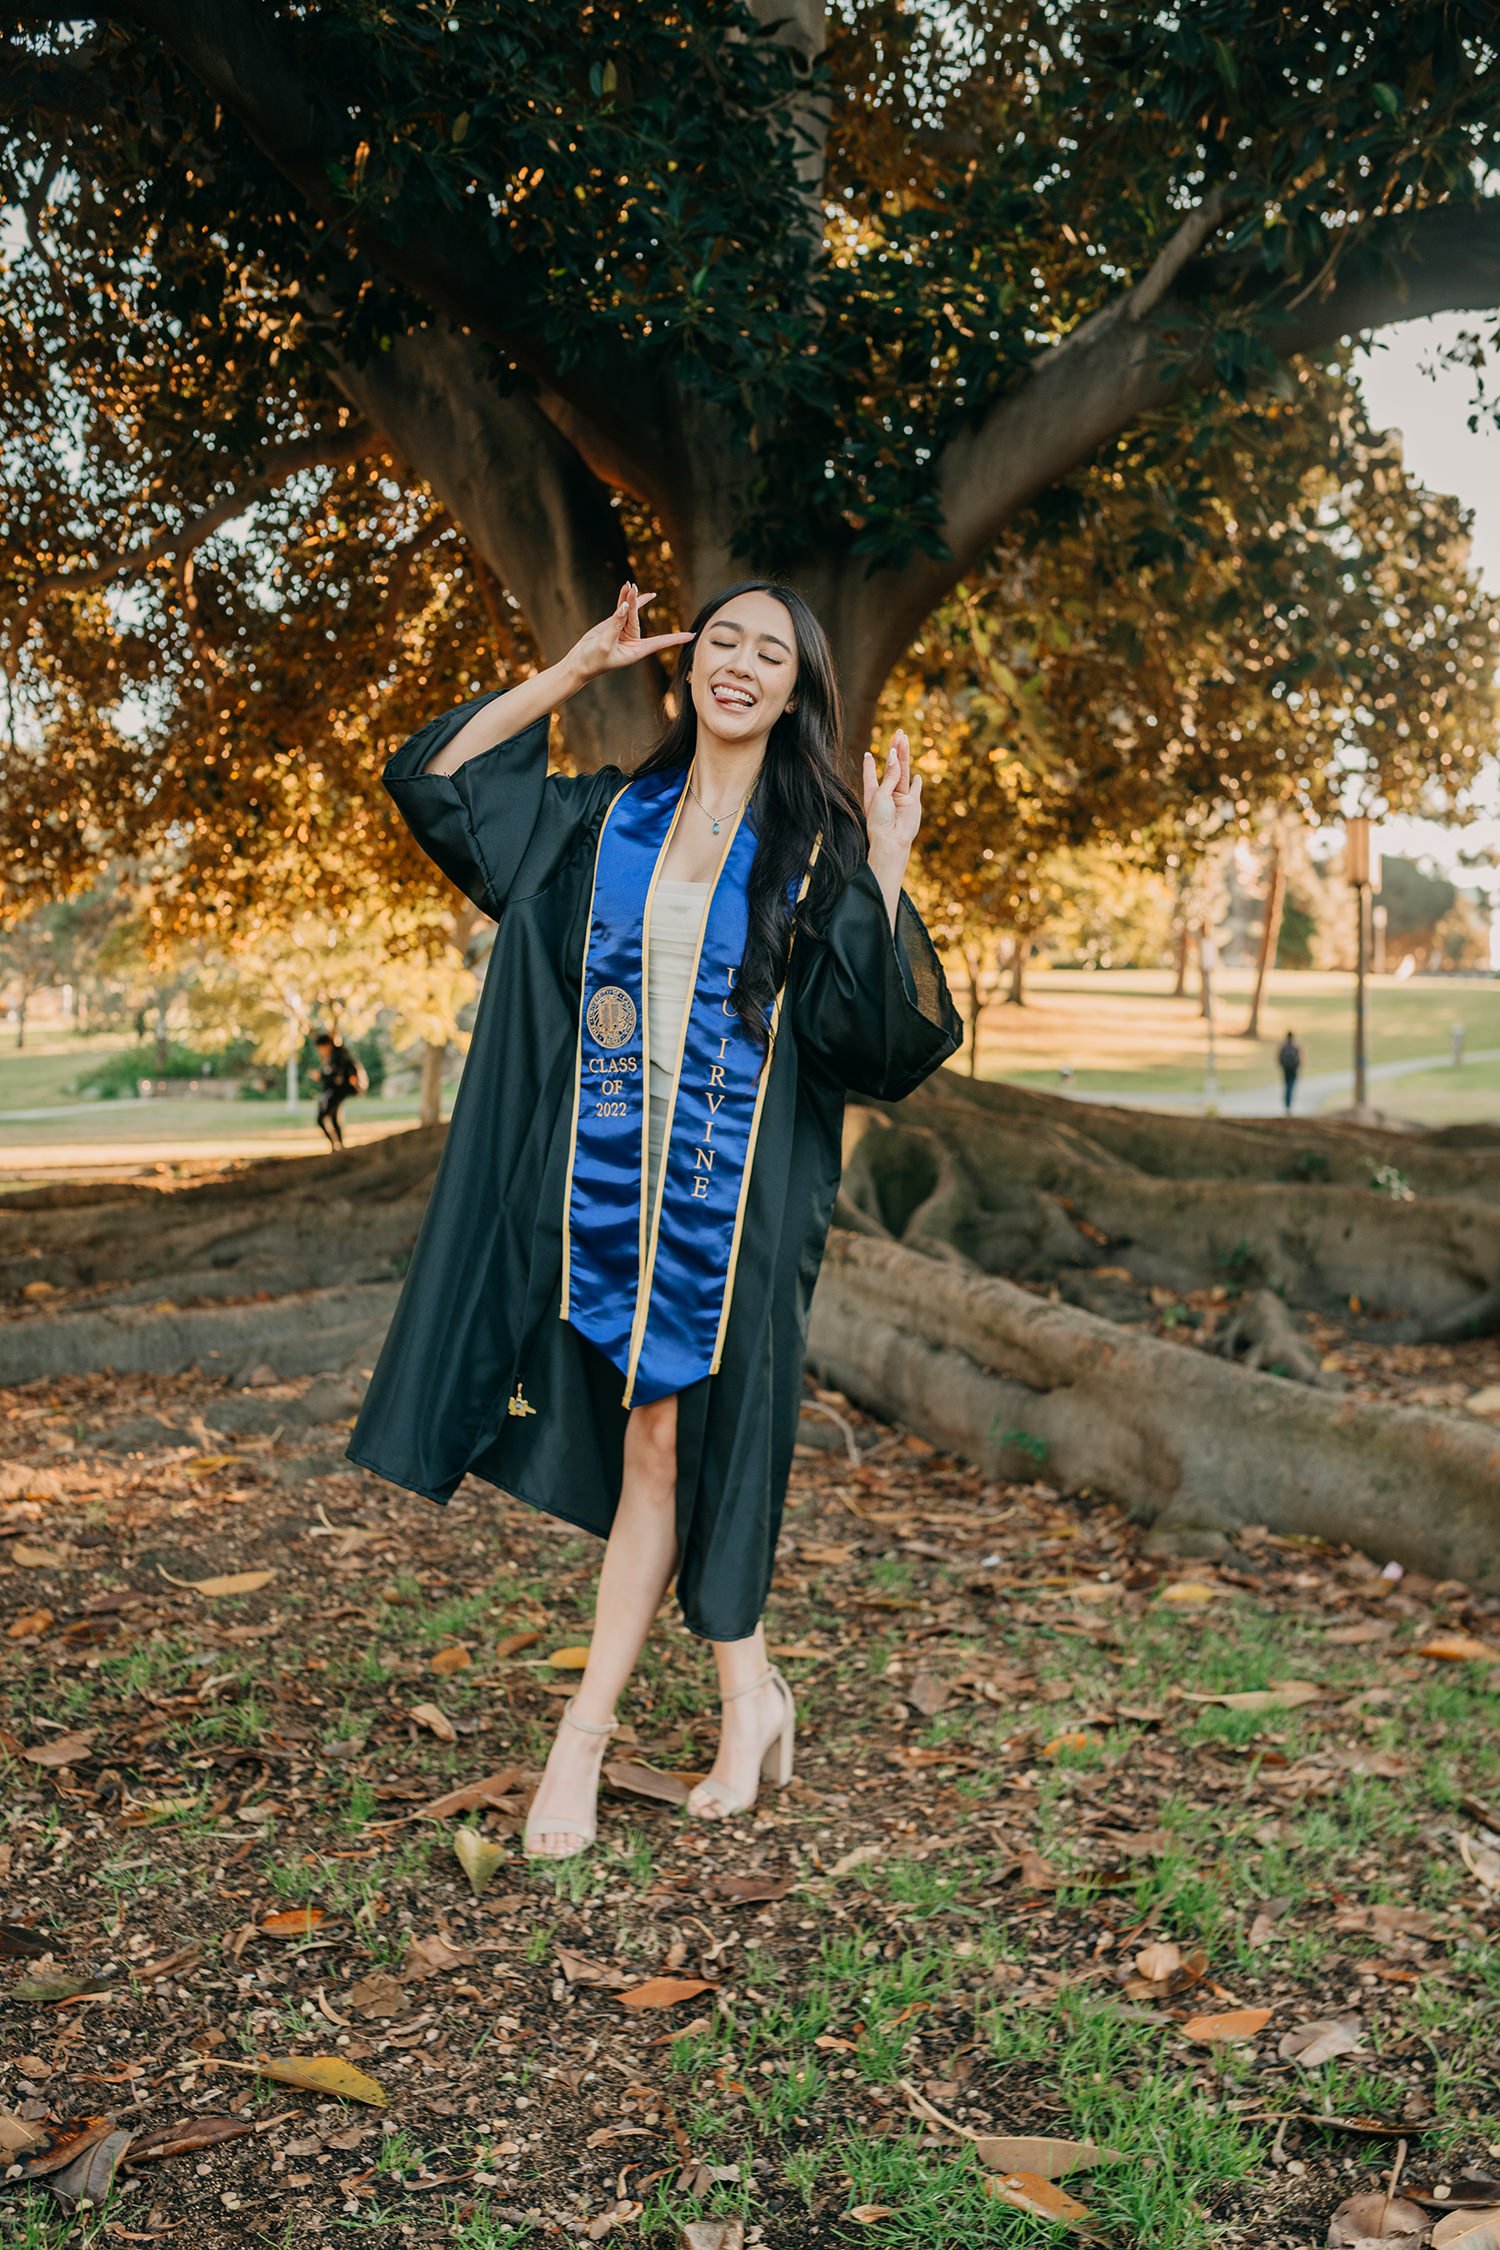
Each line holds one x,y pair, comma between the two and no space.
678,911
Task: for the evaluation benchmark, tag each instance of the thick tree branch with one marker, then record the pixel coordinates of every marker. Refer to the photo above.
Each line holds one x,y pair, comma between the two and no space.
1139,351
529,504
329,449
802,26
243,57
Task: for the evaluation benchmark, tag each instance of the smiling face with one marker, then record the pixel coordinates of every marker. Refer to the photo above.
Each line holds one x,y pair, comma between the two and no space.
744,669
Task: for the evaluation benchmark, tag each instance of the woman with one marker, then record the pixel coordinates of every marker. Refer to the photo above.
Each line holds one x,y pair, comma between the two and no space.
607,1304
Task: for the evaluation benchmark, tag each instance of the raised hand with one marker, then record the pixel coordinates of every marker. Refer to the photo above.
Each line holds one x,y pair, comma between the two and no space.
893,801
618,640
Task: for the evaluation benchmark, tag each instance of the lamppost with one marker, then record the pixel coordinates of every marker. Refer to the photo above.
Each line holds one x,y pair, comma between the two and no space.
1362,870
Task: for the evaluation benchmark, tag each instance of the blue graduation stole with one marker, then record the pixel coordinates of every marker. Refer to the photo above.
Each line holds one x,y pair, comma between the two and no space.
652,1287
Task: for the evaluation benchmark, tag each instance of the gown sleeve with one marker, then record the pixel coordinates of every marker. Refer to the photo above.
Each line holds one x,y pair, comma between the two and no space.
501,824
873,1004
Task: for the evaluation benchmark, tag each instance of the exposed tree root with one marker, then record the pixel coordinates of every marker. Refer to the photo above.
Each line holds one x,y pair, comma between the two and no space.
1184,1440
285,1268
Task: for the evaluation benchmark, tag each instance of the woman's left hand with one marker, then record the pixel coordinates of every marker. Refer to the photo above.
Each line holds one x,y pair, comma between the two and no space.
893,801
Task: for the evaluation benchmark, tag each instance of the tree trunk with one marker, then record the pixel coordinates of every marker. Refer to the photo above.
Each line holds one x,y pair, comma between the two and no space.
1015,996
433,1055
1270,936
974,974
533,511
163,1044
21,1019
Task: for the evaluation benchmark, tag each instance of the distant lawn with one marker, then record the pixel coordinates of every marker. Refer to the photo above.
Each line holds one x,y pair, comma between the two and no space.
178,1128
1446,1097
1121,1029
41,1074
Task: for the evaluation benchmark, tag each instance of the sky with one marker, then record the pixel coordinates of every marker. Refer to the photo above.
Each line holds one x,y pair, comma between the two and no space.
1431,407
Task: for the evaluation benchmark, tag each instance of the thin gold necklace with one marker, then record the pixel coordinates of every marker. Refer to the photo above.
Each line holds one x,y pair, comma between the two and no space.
716,818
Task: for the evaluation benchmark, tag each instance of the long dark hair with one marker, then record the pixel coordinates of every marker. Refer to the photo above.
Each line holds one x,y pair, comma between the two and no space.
798,792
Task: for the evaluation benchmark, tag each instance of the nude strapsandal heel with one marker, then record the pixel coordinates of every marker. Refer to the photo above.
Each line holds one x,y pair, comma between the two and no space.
559,1827
777,1762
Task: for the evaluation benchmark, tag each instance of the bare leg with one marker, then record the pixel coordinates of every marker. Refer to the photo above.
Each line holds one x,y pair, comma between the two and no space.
639,1559
747,1725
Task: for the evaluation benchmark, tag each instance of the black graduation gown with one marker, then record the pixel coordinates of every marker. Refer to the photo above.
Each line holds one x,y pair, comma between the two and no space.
865,1010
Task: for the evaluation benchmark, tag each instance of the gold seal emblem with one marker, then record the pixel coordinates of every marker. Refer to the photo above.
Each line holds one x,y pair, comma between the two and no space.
611,1016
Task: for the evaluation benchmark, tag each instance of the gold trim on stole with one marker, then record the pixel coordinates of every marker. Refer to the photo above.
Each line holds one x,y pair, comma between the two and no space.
647,1270
760,1099
567,1256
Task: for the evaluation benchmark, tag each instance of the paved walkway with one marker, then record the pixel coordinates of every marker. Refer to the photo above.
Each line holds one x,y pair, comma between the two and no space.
1315,1091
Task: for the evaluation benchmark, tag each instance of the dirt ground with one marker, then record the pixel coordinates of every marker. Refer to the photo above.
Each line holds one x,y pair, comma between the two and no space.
1080,1844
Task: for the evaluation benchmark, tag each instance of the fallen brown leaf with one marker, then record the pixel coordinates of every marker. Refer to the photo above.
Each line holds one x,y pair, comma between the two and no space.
477,1856
234,1582
1482,1860
435,1956
185,2138
711,2234
927,1693
1041,2157
292,1921
1459,1648
85,2183
63,1749
493,1790
636,1779
861,1855
1468,2230
434,1720
1312,2044
748,1890
320,2074
448,1660
1376,2217
578,1969
1158,1962
30,1624
18,1943
59,2142
16,2135
664,1992
512,1643
1281,1695
1234,2023
1028,2191
379,1994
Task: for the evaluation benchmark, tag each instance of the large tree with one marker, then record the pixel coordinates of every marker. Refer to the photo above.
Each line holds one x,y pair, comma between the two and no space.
839,292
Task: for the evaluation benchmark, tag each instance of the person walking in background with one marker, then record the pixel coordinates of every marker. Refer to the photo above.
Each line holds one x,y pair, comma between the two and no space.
1289,1055
339,1077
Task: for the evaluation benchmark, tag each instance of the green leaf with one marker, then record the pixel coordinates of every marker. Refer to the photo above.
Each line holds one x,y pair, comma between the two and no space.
1388,98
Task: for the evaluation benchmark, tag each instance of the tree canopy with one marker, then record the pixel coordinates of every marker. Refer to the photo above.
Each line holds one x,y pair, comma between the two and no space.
355,347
